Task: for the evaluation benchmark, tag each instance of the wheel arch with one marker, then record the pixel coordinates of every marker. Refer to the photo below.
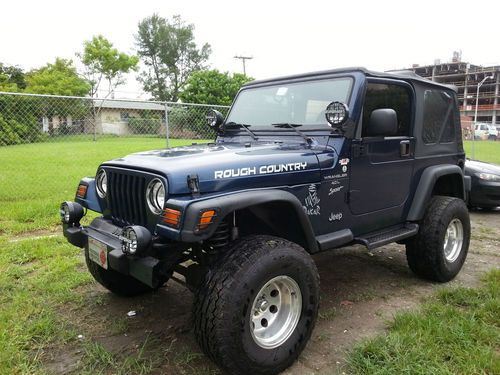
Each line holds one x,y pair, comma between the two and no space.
446,180
267,205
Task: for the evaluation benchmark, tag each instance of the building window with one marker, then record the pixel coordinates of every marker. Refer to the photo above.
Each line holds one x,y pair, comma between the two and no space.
391,96
124,116
438,117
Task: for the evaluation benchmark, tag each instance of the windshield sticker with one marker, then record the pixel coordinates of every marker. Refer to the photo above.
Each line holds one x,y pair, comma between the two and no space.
311,202
335,217
264,169
282,91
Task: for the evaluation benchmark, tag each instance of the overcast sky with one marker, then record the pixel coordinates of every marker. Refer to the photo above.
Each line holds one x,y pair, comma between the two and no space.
284,37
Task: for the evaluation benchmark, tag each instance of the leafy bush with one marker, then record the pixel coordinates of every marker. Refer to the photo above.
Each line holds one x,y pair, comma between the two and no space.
146,123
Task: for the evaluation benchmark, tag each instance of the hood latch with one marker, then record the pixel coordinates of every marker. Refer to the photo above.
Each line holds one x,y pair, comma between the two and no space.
193,183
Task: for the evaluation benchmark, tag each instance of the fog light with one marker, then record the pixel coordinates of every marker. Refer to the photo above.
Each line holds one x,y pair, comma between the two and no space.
71,213
135,239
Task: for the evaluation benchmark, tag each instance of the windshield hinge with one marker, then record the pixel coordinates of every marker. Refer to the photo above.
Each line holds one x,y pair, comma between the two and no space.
193,183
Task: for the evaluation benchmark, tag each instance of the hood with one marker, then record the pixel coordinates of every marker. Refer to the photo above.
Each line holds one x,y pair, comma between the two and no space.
475,166
222,167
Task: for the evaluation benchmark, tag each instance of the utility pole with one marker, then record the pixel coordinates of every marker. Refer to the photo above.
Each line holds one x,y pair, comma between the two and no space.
244,59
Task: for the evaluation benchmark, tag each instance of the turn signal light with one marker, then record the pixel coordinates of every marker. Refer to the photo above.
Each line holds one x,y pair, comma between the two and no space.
171,217
206,219
82,191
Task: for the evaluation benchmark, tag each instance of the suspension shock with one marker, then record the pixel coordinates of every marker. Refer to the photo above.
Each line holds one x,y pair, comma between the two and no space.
220,239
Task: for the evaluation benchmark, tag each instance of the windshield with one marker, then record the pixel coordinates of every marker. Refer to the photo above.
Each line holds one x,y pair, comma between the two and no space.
302,103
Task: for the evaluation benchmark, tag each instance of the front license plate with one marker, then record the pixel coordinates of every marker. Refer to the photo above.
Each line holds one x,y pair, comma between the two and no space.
98,252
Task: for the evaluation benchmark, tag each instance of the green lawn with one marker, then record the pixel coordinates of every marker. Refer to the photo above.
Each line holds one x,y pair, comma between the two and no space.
35,178
455,332
484,150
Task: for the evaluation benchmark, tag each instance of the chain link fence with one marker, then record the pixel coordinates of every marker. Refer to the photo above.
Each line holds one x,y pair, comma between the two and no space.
47,143
26,118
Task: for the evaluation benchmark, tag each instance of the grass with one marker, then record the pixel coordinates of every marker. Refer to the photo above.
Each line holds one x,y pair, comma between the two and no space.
488,151
456,332
35,178
35,277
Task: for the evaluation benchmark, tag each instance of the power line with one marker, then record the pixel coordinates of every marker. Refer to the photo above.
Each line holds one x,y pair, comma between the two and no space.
243,60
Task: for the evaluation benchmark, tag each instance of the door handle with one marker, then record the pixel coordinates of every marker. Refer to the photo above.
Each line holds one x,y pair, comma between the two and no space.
404,148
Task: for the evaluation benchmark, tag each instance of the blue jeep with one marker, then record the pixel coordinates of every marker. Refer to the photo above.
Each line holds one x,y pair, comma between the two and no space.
301,164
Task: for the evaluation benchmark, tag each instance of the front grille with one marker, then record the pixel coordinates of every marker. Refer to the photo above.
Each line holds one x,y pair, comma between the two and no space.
127,199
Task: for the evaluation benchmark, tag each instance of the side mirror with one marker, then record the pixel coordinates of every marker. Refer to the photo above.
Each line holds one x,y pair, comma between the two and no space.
214,118
383,122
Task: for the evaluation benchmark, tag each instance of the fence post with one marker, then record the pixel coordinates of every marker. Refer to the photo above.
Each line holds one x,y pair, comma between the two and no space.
166,123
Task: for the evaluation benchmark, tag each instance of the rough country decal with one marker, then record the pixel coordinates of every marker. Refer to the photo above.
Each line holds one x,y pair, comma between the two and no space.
311,203
264,169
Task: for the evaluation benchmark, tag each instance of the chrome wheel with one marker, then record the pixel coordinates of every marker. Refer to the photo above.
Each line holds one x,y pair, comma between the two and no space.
275,312
453,240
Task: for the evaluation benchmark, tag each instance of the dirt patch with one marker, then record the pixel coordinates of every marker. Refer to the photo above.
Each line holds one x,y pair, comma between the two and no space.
36,234
360,291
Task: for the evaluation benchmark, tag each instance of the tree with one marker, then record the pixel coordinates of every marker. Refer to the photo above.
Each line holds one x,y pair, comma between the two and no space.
59,78
12,78
104,62
212,87
168,51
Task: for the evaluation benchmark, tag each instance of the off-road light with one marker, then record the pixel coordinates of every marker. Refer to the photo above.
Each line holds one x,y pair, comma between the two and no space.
214,118
155,196
71,212
336,113
101,183
135,240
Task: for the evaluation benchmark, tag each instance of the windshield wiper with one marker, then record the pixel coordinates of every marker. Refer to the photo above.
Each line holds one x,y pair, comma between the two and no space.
294,128
252,134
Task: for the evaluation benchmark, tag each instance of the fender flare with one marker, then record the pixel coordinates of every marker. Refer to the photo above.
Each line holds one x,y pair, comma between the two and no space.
426,185
228,203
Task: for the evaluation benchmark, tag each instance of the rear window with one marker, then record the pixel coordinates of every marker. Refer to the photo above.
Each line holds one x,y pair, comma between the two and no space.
438,117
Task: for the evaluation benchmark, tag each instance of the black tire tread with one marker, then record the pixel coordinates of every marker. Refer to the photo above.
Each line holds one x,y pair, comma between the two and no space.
423,251
208,299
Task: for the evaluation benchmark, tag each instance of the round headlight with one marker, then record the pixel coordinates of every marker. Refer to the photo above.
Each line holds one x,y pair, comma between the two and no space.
155,196
101,183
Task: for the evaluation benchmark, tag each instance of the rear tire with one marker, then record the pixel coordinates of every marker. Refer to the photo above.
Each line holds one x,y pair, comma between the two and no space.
115,282
258,306
439,249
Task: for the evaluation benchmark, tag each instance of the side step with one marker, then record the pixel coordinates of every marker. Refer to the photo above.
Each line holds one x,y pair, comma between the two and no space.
381,238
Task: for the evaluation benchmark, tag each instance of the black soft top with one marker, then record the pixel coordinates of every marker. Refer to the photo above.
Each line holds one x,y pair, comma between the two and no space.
404,75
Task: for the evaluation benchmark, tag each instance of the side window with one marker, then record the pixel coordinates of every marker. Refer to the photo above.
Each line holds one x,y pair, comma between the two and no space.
397,97
438,117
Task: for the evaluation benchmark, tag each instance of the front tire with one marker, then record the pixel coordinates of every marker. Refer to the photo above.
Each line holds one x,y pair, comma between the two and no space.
439,249
258,306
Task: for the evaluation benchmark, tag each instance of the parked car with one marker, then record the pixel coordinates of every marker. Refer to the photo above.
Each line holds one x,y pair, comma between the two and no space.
485,180
301,164
486,131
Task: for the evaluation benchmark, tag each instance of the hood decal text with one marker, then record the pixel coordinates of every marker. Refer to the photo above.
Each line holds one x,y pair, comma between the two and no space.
263,169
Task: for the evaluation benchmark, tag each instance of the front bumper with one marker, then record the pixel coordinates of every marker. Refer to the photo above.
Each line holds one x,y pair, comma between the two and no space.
146,269
485,193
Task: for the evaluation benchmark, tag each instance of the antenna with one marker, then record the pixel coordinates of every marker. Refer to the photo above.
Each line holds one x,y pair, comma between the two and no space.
243,60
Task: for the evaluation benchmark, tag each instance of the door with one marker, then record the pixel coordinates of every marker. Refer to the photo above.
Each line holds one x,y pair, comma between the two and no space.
382,165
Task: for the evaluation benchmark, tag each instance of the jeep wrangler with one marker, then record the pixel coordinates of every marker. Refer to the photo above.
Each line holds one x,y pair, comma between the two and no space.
301,164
